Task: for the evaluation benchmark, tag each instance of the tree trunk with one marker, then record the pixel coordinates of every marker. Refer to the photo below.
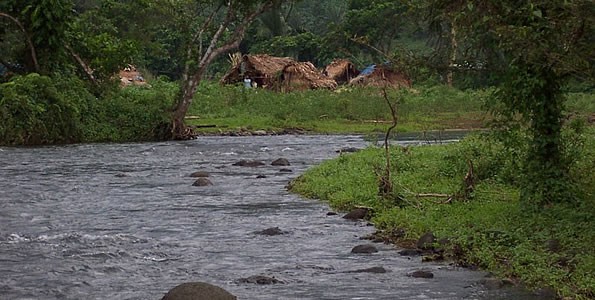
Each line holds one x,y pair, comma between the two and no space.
179,130
453,55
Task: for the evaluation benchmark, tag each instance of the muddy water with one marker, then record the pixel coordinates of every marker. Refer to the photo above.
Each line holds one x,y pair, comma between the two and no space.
123,221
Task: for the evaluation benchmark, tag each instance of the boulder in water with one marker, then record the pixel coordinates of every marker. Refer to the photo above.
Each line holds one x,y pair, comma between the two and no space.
248,163
280,162
198,291
364,249
260,279
202,181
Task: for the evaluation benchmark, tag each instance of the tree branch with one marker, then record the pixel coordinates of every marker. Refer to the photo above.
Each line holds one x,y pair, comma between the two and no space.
27,37
239,32
81,62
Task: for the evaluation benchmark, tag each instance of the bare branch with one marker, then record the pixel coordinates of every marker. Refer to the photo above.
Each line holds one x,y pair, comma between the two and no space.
27,37
81,62
228,18
239,32
198,37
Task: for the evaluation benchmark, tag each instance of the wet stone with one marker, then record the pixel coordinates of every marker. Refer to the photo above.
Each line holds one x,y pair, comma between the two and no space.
260,279
261,176
280,162
421,274
248,163
357,214
365,249
376,270
271,231
202,181
285,171
426,241
409,252
198,291
347,150
331,213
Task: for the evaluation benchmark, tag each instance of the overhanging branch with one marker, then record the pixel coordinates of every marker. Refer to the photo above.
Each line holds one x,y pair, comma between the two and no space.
27,38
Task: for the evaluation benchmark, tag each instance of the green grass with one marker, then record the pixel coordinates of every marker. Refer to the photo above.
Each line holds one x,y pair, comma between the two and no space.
491,228
347,110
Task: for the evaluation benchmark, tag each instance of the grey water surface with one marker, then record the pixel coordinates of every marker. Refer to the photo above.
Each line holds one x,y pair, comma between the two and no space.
123,221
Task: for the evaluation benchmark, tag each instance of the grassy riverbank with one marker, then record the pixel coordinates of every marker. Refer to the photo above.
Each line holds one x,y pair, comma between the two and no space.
347,110
552,248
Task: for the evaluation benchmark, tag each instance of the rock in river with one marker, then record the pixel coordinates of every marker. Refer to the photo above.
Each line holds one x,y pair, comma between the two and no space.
202,181
271,231
280,162
260,279
198,291
248,163
364,249
421,274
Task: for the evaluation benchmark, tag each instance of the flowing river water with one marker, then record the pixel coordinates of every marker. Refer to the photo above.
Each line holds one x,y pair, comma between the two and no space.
123,221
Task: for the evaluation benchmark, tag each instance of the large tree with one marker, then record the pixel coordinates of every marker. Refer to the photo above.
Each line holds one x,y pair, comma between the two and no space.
537,46
213,28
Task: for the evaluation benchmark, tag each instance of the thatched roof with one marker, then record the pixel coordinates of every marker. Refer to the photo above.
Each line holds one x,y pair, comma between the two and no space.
278,73
382,76
262,69
130,76
304,76
341,70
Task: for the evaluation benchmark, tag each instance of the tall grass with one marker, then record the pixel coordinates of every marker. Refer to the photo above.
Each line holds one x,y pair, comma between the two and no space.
427,108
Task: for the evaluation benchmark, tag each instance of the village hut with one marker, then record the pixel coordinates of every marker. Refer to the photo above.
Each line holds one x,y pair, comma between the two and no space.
341,70
381,76
131,76
299,76
261,70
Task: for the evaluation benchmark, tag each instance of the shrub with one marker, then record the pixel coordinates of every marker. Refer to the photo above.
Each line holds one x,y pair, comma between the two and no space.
37,109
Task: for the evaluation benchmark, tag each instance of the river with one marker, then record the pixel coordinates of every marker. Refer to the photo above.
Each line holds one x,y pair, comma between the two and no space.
123,221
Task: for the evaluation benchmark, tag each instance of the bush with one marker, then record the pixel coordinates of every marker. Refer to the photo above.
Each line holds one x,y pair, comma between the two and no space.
37,109
134,113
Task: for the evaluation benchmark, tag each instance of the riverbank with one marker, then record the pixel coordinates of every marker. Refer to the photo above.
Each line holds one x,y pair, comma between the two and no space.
550,250
234,110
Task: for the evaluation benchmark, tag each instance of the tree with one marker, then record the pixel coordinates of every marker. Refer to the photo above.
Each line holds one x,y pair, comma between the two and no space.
538,46
44,25
224,26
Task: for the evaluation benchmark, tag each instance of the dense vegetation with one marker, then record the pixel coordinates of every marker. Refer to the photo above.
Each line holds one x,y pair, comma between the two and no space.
523,67
489,229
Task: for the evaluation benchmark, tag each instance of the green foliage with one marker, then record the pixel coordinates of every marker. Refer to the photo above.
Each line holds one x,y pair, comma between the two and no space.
46,23
551,248
37,109
135,113
97,40
303,47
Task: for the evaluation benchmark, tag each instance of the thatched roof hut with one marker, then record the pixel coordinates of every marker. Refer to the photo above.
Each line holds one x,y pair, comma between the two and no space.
381,76
264,70
341,70
304,76
130,76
